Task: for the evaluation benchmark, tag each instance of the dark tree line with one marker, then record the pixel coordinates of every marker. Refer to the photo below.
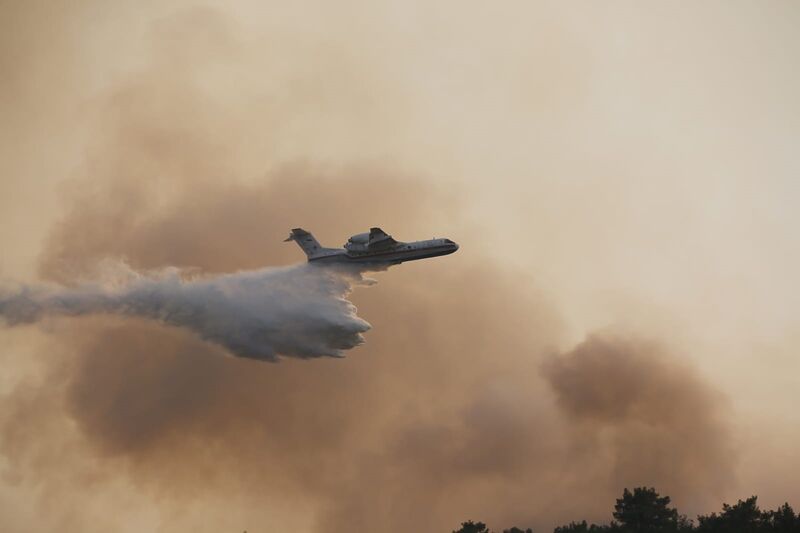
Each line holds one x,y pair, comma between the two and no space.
644,511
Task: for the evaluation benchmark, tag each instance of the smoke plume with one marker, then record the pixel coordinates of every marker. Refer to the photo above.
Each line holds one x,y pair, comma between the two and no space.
654,412
298,311
454,401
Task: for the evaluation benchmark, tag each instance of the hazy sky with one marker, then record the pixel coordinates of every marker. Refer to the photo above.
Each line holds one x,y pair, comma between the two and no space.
618,174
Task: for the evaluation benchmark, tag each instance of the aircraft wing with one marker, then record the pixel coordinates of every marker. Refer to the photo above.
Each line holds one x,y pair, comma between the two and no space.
379,238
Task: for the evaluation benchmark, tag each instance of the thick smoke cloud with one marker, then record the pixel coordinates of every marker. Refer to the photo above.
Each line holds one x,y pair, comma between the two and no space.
455,408
296,311
443,410
658,414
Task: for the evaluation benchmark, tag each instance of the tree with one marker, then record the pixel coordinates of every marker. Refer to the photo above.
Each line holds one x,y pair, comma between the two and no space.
581,527
744,517
472,527
644,511
782,520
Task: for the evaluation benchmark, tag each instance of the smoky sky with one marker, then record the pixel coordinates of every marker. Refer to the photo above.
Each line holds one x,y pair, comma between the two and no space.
455,407
464,402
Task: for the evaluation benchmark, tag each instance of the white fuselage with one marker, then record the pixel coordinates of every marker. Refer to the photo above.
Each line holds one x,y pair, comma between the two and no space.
358,251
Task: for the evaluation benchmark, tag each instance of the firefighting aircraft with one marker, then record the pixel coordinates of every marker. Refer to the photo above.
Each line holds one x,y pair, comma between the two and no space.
375,247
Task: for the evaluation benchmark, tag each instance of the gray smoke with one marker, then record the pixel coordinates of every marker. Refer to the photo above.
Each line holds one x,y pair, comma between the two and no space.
297,311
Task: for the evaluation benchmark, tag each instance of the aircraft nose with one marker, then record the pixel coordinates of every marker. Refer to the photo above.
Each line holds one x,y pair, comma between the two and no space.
452,244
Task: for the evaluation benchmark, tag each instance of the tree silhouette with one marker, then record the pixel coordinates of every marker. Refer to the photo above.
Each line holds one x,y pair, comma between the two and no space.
581,527
782,520
472,527
744,517
644,511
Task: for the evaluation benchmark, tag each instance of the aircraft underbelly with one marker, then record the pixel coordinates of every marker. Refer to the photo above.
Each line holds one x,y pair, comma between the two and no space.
389,256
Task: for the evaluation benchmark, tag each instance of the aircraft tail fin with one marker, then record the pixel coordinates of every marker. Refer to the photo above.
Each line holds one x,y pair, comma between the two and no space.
306,241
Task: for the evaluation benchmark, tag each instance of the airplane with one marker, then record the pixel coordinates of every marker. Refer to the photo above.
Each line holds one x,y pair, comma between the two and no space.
375,247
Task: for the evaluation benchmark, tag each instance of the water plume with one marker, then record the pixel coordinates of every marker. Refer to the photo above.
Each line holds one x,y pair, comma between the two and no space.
296,311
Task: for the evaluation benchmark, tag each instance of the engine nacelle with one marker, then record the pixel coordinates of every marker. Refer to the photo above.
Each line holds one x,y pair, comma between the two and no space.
358,243
361,238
